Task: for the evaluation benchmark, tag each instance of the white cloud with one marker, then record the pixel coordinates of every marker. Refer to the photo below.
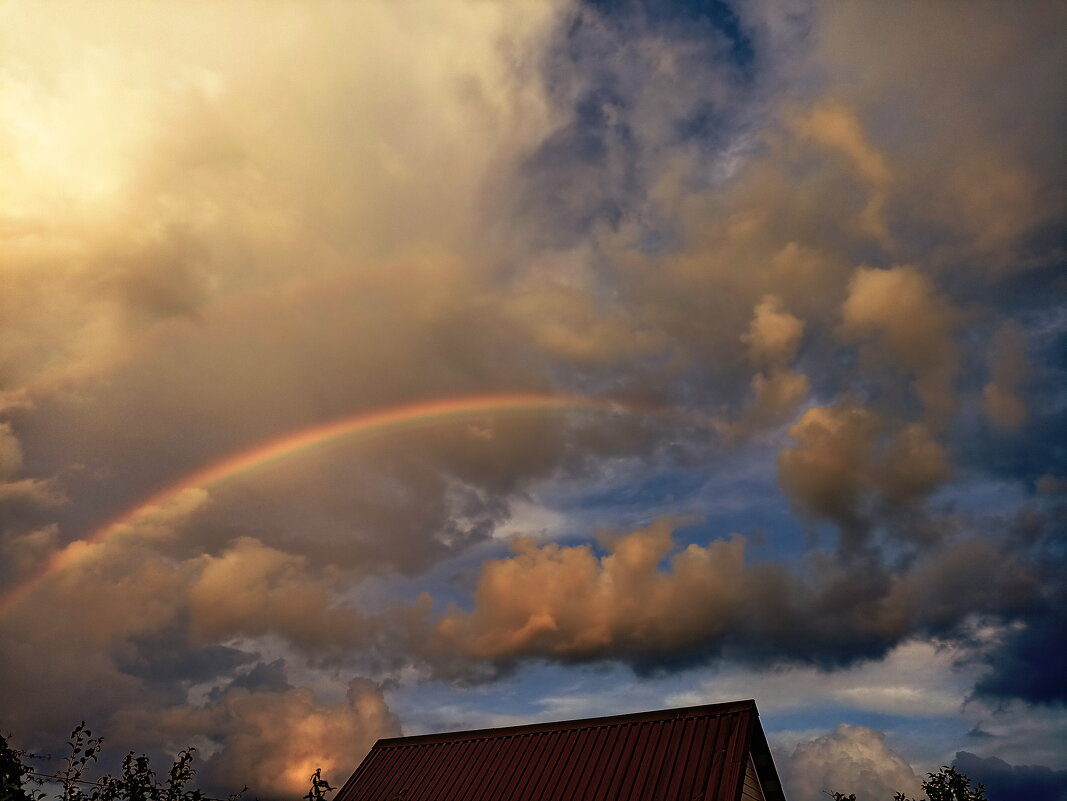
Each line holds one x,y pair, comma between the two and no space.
917,678
849,759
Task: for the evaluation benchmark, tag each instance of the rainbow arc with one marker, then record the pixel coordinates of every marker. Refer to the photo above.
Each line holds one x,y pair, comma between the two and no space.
367,423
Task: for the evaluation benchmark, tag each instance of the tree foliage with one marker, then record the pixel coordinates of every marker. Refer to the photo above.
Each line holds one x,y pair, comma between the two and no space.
947,784
15,775
137,781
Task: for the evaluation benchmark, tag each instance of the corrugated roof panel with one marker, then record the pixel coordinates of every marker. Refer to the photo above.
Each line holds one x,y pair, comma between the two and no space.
575,774
668,759
619,762
689,753
503,767
673,755
604,744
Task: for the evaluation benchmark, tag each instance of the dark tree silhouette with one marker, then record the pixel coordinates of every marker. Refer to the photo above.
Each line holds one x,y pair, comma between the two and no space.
947,784
15,775
319,787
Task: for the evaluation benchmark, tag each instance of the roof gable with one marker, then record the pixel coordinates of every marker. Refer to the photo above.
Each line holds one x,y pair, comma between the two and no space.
690,754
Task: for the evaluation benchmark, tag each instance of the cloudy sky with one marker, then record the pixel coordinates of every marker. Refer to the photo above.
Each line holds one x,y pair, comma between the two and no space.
399,366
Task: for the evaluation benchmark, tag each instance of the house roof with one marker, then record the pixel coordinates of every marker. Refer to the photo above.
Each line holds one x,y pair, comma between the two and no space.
695,753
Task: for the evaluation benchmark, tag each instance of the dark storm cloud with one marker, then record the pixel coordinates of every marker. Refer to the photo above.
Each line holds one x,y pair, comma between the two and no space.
1031,660
164,659
269,676
1001,780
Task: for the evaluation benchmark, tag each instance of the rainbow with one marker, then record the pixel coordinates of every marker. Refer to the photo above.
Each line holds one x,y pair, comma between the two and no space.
366,423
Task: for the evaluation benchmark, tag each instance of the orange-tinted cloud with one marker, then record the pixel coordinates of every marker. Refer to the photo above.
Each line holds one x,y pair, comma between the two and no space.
836,126
275,739
847,462
568,603
251,589
900,311
645,603
772,338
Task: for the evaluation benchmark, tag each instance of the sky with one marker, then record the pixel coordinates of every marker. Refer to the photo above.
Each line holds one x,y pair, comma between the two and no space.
398,366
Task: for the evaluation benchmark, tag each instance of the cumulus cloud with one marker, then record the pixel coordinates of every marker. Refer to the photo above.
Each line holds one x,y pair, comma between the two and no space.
836,126
40,562
1001,395
83,623
774,334
981,208
901,312
250,589
145,629
849,463
141,625
920,678
851,759
274,739
643,603
772,338
568,603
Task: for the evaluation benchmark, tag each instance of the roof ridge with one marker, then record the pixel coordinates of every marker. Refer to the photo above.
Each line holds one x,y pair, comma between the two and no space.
651,716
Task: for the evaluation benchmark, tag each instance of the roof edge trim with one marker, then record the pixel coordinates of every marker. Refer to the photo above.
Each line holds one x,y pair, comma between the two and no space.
507,731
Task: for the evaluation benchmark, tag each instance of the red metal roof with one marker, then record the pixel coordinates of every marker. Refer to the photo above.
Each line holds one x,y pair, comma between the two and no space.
693,754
